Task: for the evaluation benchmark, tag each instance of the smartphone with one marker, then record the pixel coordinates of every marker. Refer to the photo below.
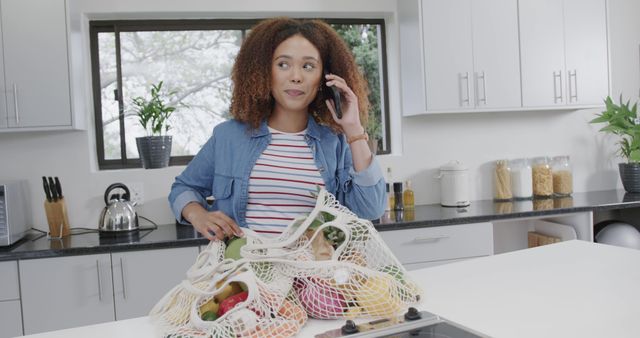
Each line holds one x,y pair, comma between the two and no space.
333,93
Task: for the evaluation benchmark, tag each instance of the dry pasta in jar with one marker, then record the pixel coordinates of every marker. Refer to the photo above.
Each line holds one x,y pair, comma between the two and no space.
502,181
542,177
562,176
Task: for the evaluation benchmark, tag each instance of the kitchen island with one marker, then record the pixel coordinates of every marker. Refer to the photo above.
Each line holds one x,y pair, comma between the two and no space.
568,289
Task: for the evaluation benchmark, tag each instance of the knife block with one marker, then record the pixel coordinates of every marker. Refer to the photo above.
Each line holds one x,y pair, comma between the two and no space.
57,218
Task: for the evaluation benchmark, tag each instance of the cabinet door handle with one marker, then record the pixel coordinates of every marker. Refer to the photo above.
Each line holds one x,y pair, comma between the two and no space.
484,89
124,291
99,282
557,97
15,103
464,101
575,85
428,239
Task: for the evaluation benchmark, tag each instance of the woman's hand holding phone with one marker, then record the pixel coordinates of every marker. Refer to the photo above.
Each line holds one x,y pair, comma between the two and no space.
350,120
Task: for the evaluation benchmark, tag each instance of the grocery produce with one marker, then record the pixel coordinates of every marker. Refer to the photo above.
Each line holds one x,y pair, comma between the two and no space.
209,306
353,312
233,288
232,301
334,235
394,271
320,299
293,311
377,297
355,258
233,247
209,316
321,248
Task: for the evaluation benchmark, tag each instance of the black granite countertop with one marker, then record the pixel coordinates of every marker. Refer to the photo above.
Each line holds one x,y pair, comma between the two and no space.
82,242
489,210
38,245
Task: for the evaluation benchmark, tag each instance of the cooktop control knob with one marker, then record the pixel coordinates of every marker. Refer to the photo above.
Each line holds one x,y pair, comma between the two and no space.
412,314
349,327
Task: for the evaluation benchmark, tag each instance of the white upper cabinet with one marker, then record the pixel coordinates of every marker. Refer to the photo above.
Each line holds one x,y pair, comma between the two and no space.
564,52
625,54
470,51
35,93
448,52
502,55
496,54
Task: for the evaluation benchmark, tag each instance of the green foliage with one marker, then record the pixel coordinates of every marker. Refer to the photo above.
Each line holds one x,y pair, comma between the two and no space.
363,41
623,121
153,114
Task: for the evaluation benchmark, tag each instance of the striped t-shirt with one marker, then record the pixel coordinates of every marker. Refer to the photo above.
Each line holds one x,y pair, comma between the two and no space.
281,183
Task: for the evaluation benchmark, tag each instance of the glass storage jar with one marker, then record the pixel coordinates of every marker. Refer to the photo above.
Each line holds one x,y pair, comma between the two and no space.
502,181
521,184
542,177
562,176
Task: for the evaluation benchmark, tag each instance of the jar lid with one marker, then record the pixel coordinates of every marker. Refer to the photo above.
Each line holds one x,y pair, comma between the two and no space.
453,166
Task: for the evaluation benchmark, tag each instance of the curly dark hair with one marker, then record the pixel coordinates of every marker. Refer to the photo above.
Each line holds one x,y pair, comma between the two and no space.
252,101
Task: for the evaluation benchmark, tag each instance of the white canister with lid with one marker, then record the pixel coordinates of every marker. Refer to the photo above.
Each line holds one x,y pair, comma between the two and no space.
454,185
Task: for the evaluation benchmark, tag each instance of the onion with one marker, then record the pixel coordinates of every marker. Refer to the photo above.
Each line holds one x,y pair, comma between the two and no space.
319,299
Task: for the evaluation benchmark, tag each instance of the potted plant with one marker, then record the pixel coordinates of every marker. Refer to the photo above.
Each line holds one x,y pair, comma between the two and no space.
622,120
153,115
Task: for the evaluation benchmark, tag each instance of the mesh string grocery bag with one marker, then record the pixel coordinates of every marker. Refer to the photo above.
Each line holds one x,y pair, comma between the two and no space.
328,265
224,298
340,265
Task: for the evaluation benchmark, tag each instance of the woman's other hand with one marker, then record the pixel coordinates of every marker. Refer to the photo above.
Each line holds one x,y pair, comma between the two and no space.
214,225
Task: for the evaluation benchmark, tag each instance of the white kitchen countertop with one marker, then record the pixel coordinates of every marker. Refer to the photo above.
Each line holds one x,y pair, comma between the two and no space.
568,289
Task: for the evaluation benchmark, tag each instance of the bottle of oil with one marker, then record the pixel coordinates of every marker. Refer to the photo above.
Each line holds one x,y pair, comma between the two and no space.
407,196
391,197
389,200
390,193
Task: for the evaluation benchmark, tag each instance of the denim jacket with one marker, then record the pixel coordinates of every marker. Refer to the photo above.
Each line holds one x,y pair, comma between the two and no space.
222,167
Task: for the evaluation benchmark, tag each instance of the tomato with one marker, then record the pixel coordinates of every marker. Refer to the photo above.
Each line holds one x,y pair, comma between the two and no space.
230,302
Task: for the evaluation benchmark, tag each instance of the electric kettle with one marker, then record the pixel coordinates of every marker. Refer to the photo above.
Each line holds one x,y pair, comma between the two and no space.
119,213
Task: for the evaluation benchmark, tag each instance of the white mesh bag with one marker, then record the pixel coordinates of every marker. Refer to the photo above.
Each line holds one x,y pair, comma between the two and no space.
328,265
340,265
213,283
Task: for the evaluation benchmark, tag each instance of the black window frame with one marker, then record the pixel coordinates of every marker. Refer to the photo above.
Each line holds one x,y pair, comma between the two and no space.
117,26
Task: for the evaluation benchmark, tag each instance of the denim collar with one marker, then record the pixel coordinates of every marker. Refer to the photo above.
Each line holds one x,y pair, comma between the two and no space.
313,129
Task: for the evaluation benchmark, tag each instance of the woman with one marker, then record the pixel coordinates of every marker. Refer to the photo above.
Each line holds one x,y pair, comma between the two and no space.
285,139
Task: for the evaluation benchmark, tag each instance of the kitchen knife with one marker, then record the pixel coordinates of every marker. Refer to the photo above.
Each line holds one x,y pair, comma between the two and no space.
52,188
58,187
46,188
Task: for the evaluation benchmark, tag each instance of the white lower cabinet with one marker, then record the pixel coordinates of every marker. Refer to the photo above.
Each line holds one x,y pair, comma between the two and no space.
141,278
10,314
418,248
66,292
10,319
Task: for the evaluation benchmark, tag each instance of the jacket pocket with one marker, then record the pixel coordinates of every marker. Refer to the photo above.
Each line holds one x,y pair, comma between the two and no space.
343,181
222,187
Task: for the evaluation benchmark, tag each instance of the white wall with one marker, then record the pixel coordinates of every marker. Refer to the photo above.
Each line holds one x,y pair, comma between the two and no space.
425,142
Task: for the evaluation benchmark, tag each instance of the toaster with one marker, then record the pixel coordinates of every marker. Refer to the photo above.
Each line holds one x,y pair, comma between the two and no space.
15,211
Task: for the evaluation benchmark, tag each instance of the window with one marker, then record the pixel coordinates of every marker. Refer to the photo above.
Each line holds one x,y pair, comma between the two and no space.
193,59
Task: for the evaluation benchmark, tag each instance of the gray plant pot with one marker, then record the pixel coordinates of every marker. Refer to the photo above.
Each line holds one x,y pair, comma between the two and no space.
154,151
630,176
